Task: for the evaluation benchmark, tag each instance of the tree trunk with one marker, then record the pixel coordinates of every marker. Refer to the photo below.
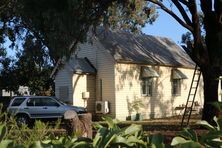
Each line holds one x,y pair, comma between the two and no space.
210,78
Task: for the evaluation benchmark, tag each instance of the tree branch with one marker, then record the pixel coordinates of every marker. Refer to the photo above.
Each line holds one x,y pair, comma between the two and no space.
182,12
163,7
200,50
184,2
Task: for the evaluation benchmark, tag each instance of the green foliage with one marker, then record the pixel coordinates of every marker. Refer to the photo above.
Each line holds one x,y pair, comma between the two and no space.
156,141
55,23
114,136
109,134
189,138
3,132
51,30
136,105
32,69
217,105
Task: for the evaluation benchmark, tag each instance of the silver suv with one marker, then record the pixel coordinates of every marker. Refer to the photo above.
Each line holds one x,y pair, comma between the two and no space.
25,108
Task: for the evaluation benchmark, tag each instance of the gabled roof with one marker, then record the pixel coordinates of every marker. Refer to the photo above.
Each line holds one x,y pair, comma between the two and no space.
76,65
126,47
81,66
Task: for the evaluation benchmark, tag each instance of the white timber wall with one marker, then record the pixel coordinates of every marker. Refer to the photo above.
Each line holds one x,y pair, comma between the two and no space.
104,63
64,79
162,103
81,84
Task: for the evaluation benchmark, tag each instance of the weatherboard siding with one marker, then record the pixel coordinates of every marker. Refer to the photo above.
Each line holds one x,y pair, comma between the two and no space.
81,84
105,75
162,103
104,63
63,79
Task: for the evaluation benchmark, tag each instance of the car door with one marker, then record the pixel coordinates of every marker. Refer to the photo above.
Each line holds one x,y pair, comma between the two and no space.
34,107
43,107
51,108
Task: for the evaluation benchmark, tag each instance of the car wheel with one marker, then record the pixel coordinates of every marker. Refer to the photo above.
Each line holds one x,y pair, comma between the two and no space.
22,119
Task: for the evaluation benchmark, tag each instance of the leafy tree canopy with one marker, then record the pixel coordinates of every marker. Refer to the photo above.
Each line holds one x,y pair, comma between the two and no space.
60,25
44,31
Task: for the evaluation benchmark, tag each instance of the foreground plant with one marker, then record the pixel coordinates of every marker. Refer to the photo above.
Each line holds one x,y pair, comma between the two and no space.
114,136
188,137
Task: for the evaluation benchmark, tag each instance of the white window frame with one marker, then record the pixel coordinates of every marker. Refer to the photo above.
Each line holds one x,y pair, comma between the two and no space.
176,87
148,84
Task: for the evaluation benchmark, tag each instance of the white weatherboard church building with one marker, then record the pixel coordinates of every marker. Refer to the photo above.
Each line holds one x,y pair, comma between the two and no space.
108,75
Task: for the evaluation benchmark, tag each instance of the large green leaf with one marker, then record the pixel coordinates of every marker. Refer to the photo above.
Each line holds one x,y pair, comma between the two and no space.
219,123
108,140
132,129
135,140
190,145
81,144
211,136
127,141
179,140
217,105
36,144
6,144
207,125
97,125
158,140
188,134
102,132
3,131
111,123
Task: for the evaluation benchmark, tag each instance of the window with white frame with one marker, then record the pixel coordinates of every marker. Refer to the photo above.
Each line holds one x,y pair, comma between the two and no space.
147,86
147,76
176,87
176,78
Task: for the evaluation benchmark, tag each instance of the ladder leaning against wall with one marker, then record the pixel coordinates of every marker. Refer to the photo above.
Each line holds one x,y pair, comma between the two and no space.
191,97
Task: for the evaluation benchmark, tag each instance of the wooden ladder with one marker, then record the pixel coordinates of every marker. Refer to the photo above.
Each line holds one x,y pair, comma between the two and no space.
191,97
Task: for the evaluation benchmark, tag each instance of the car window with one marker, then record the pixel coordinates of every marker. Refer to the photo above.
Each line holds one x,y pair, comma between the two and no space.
63,103
17,101
35,102
31,102
49,102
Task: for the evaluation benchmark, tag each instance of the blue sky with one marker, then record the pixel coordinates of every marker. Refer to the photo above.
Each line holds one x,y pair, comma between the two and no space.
165,26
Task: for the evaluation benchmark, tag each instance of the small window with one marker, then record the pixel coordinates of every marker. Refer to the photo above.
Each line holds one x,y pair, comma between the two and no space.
176,87
147,86
17,101
35,102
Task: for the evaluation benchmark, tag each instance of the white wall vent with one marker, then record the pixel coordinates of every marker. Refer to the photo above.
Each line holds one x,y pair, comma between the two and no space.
102,107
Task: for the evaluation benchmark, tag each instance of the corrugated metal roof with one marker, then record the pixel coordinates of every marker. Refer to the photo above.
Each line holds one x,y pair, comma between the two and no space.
144,49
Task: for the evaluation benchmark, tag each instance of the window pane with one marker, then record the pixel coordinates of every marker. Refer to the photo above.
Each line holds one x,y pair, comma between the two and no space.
147,85
36,102
176,87
49,102
17,101
31,102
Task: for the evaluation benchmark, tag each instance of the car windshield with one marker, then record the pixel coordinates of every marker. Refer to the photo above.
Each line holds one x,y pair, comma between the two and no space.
60,101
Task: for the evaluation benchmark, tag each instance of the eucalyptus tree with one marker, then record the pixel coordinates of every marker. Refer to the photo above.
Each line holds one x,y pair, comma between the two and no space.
52,28
61,25
201,18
